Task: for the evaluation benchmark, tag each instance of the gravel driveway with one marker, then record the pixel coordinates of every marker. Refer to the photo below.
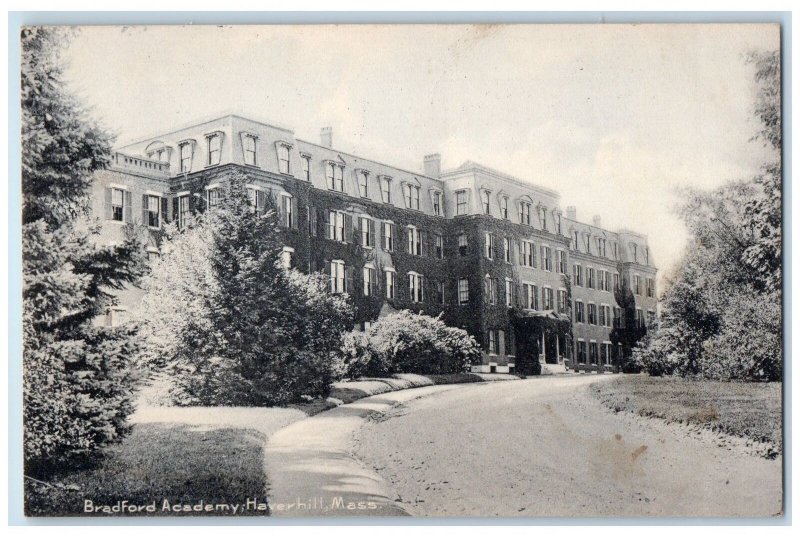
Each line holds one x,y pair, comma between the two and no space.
544,447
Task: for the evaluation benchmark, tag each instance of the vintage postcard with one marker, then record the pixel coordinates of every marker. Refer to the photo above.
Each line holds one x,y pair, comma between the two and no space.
402,270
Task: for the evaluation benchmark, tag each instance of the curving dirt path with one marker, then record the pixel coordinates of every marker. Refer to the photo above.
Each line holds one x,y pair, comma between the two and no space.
544,447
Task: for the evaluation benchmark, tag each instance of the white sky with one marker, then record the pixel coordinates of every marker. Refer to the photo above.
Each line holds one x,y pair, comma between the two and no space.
614,117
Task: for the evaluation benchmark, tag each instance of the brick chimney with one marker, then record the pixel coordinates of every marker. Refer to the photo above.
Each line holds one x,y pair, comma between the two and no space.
596,221
326,136
571,213
433,165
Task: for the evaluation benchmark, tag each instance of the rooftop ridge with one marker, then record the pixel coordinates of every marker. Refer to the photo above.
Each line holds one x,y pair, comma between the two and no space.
472,165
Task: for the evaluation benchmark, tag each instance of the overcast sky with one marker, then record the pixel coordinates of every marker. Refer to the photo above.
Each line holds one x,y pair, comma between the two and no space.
614,117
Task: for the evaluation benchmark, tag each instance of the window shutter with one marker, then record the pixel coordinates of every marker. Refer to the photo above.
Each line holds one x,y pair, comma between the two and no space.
348,283
349,235
392,235
326,268
175,208
409,241
520,296
145,219
383,236
533,255
423,239
108,210
374,283
323,223
312,221
372,233
165,210
295,214
128,208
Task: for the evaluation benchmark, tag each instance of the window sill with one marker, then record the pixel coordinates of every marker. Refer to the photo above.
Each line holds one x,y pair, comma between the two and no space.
256,166
207,166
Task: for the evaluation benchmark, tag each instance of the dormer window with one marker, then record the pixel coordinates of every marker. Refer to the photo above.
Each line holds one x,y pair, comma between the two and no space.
363,183
543,217
305,162
249,142
461,202
525,213
504,207
411,193
485,201
437,203
185,149
386,189
558,223
284,165
214,148
335,175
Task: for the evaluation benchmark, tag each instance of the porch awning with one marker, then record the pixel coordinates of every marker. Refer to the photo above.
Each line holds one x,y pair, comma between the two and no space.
546,314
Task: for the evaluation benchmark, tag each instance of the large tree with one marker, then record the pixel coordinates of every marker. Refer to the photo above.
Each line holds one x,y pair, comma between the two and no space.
229,322
721,315
76,377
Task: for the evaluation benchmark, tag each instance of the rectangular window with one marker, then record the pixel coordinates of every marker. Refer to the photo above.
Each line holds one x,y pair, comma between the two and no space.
283,159
547,259
305,162
490,289
637,284
338,277
603,316
486,199
562,301
183,211
562,262
616,281
461,202
363,184
558,224
547,298
412,197
492,341
336,226
509,293
531,297
338,178
581,352
651,288
489,246
617,317
639,318
250,150
462,245
590,277
437,203
153,211
214,149
414,242
525,213
504,207
528,251
415,288
507,249
463,291
118,204
579,313
592,313
438,246
186,157
366,227
369,280
593,353
606,353
543,217
577,275
287,214
389,284
212,197
386,189
387,241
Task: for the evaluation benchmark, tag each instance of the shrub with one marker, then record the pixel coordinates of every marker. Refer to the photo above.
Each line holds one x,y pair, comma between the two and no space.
406,342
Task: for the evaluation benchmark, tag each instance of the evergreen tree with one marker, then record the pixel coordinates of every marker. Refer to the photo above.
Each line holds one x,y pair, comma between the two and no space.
232,325
77,381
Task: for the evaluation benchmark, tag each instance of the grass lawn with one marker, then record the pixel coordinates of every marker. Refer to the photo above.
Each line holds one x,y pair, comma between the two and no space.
177,462
748,410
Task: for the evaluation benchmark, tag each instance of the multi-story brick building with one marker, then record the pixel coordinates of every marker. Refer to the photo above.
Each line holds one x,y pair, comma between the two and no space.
484,249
